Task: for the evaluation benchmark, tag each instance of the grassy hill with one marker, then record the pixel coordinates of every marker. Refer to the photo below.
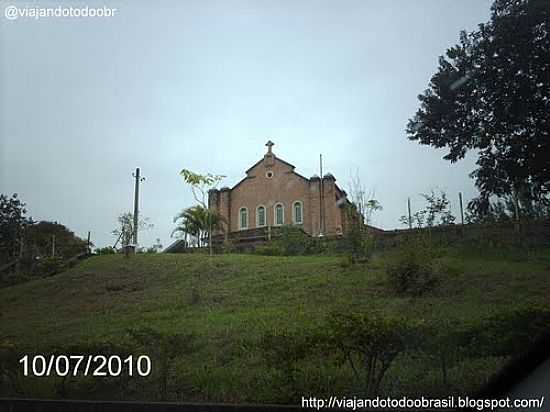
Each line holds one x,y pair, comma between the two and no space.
230,301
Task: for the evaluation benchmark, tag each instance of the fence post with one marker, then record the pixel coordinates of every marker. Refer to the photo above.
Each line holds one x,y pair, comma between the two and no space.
461,212
409,209
21,249
88,244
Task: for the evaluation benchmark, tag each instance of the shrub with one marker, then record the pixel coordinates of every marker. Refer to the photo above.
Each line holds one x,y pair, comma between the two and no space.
511,332
411,270
51,265
292,241
108,250
270,249
283,351
368,343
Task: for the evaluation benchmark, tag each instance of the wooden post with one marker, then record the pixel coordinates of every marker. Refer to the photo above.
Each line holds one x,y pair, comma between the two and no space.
516,210
136,208
21,249
88,244
53,245
409,209
461,208
461,212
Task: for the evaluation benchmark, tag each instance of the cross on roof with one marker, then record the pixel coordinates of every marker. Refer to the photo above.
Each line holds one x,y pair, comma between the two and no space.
269,144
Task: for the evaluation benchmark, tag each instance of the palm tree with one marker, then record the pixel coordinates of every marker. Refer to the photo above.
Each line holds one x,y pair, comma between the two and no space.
199,222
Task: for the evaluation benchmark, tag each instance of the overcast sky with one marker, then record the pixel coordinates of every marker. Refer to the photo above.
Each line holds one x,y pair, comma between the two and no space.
203,85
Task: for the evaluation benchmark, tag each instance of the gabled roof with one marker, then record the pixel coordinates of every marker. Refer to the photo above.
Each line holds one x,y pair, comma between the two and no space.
292,167
262,159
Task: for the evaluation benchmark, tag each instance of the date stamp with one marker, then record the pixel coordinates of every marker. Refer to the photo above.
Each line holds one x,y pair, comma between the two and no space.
85,365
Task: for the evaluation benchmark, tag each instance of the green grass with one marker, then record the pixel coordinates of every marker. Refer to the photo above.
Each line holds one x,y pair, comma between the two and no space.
229,300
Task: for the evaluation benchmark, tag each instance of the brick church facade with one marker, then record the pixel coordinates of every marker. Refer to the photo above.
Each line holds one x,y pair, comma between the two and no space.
273,194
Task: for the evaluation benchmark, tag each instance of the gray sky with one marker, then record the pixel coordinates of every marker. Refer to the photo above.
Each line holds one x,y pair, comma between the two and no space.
202,85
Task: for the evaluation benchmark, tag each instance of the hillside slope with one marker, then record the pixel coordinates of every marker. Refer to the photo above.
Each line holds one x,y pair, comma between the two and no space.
229,300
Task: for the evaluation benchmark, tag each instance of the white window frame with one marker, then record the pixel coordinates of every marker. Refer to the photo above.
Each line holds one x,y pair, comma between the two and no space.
258,216
298,202
275,214
241,227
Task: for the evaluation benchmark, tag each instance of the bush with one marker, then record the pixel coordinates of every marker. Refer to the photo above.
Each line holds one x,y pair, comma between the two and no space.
47,266
368,343
109,250
270,249
511,332
293,241
412,269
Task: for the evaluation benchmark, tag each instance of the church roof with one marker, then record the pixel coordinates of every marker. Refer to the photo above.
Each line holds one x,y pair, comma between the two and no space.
275,157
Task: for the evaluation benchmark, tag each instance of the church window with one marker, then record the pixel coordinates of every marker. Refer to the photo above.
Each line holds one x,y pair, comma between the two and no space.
279,214
260,216
243,218
298,213
269,174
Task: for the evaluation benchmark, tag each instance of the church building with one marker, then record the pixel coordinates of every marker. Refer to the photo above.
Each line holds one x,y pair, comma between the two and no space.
273,194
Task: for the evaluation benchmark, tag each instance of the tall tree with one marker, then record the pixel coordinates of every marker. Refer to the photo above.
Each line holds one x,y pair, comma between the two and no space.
125,231
13,221
491,94
200,186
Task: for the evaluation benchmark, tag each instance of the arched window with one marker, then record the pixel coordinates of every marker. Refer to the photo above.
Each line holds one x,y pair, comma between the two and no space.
279,215
243,218
260,216
298,213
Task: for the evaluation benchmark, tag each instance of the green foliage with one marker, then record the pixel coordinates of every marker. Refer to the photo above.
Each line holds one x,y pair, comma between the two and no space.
67,244
9,368
283,351
243,297
490,95
511,332
108,250
359,243
125,231
290,241
436,212
447,342
293,241
368,343
411,268
197,222
269,249
49,265
163,349
198,180
12,224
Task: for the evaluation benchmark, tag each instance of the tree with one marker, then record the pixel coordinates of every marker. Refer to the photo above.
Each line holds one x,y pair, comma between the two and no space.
125,231
368,344
197,222
359,213
67,244
436,213
491,95
12,225
200,186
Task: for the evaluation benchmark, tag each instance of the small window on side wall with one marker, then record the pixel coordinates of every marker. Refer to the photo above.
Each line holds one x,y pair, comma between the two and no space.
243,218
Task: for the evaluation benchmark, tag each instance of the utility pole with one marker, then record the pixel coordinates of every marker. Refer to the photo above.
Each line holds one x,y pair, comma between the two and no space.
321,198
409,209
461,208
136,203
